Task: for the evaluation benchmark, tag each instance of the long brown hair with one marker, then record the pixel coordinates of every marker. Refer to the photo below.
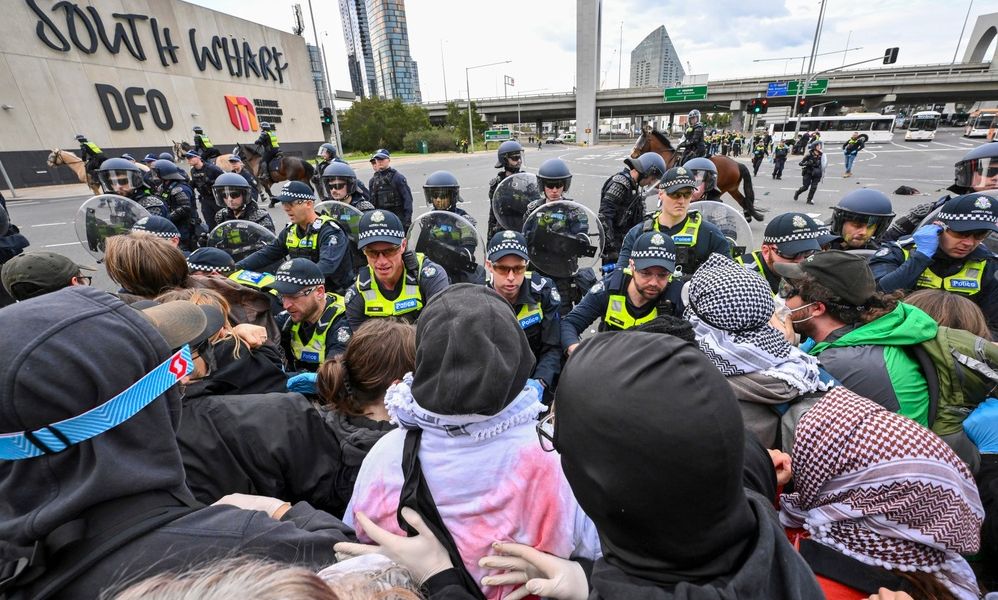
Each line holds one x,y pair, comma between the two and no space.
951,310
144,264
380,352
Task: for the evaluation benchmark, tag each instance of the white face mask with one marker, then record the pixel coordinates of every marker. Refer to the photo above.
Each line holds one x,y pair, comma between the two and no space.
782,310
796,321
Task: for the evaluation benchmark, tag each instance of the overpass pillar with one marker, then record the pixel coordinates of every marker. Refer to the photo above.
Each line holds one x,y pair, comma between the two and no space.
737,120
588,15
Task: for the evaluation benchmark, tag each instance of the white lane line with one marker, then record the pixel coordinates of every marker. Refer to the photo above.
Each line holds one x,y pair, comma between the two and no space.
49,224
66,244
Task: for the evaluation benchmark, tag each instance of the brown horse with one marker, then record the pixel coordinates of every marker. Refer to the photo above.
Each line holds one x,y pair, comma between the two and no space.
730,173
180,149
290,168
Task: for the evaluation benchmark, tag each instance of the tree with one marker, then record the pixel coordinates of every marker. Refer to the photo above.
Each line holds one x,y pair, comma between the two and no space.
457,121
374,123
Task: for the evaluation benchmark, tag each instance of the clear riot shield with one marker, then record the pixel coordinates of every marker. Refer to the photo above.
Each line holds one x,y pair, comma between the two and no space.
240,238
452,242
731,223
563,237
511,198
345,215
990,242
102,217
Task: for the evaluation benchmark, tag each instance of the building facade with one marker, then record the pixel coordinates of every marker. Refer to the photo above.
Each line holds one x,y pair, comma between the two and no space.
322,95
357,39
136,82
654,62
396,74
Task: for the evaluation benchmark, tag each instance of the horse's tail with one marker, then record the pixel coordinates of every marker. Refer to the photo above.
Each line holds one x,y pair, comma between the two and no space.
746,175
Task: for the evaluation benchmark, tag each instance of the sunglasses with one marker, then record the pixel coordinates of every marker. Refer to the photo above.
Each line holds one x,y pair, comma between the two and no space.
232,194
798,256
336,186
388,253
505,270
554,185
680,194
513,157
299,294
978,235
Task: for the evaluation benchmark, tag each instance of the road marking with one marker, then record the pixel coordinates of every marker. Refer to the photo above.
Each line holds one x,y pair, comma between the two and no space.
49,224
66,244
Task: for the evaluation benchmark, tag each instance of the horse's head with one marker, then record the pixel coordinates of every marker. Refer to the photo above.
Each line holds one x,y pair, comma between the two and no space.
640,145
54,157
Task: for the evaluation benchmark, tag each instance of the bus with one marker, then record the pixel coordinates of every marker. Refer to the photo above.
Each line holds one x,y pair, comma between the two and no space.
872,127
922,125
981,123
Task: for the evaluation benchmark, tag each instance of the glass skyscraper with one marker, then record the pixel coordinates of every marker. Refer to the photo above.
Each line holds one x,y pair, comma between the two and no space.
357,38
395,73
654,62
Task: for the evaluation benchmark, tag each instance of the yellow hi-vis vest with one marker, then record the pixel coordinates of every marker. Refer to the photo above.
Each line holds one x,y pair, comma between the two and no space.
314,352
967,281
376,305
616,316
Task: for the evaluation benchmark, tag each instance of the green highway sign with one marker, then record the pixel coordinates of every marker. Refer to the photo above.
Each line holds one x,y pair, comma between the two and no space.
680,94
815,88
498,135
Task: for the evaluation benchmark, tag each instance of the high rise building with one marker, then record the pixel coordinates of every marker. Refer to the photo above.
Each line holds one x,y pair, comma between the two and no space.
395,73
654,61
322,95
357,38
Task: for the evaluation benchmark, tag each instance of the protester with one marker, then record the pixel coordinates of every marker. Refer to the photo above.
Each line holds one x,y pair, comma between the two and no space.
951,310
144,266
35,273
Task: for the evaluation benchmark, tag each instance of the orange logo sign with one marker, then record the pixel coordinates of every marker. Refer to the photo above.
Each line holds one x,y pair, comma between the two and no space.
241,113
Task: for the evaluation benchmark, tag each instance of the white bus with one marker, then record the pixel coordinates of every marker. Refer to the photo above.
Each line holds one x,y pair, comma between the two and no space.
922,125
872,127
981,123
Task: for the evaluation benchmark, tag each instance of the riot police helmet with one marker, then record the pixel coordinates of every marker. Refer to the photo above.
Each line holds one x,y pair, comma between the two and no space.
81,138
339,174
167,170
166,156
704,172
554,173
868,206
327,151
442,190
119,176
198,130
693,117
649,165
231,190
265,126
977,170
507,148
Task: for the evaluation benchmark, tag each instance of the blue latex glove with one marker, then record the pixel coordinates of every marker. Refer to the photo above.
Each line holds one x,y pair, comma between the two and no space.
927,239
303,383
537,385
982,426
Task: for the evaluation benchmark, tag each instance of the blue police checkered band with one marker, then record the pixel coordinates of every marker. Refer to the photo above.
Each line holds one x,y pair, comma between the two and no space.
986,217
381,230
209,268
286,193
162,234
508,245
681,180
58,437
285,278
654,253
803,235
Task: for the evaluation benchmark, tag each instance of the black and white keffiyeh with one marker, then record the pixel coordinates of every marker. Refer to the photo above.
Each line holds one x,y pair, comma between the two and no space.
730,307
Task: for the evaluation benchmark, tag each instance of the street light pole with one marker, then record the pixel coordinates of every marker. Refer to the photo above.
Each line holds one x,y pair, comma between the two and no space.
329,84
810,66
467,84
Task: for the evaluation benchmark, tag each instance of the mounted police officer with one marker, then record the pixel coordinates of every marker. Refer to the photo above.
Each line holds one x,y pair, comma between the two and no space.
977,171
622,204
389,189
509,161
694,237
179,199
270,146
233,193
704,172
789,238
204,147
91,154
861,218
239,167
631,296
313,324
307,235
947,254
693,137
396,282
535,301
124,178
203,176
339,182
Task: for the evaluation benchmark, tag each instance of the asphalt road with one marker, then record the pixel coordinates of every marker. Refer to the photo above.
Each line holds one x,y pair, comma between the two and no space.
926,166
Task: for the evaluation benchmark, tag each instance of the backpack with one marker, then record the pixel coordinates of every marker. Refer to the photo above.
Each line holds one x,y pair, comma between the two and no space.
960,370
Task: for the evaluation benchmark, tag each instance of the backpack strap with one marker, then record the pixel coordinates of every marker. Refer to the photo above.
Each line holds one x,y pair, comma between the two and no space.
928,368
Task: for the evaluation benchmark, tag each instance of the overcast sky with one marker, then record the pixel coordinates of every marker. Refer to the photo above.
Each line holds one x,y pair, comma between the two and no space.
719,37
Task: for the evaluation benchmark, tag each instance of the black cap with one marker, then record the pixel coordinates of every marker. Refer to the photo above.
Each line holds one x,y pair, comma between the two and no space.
972,212
293,191
677,178
845,274
380,226
211,260
793,233
36,273
505,243
295,275
654,249
158,226
380,153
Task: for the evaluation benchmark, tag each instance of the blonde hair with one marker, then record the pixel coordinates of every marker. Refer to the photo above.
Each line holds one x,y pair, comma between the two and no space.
144,264
204,296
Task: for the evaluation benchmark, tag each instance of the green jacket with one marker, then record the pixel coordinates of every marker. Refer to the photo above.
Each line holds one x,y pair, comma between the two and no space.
903,327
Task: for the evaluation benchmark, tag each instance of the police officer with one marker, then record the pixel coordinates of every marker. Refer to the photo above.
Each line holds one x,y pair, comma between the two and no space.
179,199
554,178
534,299
780,153
213,262
203,176
789,238
947,254
239,167
271,148
307,235
442,192
811,172
622,204
159,227
233,193
396,282
124,178
339,182
631,296
704,173
91,153
693,137
509,161
759,153
695,238
204,147
389,189
861,218
977,171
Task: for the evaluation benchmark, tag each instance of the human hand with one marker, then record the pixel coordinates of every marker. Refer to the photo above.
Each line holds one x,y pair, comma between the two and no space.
782,464
981,426
274,507
423,555
303,383
571,348
927,239
886,594
253,336
541,573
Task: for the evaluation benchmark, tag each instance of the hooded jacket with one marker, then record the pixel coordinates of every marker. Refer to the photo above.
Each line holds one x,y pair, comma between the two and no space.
872,360
49,376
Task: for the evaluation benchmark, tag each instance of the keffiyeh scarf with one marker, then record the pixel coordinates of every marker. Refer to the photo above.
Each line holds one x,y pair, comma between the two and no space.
880,488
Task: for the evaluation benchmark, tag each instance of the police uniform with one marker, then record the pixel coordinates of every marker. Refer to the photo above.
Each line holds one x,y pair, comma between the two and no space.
145,198
390,191
695,239
793,234
93,156
695,147
205,147
621,207
455,237
779,159
251,212
571,289
494,226
179,200
759,153
201,180
271,149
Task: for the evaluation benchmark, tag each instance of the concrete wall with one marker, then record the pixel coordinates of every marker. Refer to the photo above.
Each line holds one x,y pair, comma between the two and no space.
52,94
587,62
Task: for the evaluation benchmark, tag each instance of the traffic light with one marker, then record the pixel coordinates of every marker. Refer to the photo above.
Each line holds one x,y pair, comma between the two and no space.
763,104
801,105
327,116
890,56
